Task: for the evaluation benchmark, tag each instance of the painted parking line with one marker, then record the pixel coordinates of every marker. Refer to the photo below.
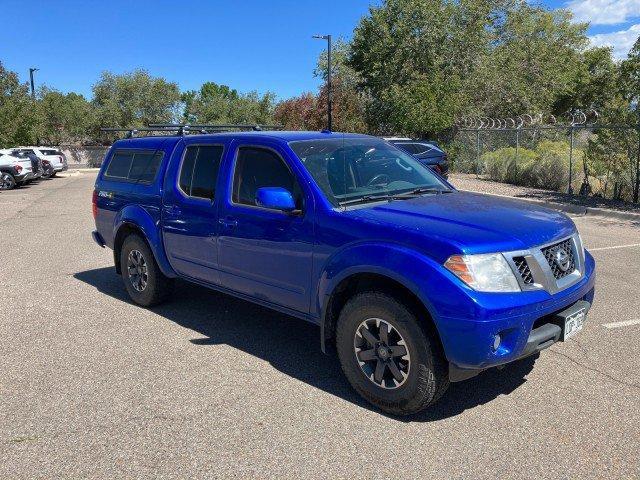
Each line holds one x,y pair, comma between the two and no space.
626,323
614,247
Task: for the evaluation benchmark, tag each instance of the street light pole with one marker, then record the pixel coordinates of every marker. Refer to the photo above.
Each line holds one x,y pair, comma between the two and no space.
329,93
33,89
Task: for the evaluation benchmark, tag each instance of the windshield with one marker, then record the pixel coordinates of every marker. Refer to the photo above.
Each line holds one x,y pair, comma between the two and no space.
349,170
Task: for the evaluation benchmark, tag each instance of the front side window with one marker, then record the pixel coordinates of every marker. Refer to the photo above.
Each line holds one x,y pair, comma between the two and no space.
199,171
259,167
364,169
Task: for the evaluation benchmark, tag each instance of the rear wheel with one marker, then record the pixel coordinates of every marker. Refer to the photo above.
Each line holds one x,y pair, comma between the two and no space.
145,283
387,356
7,182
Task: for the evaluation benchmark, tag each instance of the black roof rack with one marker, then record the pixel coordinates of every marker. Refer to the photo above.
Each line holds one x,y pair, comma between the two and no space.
185,129
202,127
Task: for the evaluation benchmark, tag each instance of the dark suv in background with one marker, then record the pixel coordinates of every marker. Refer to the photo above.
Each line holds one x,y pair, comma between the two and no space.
427,152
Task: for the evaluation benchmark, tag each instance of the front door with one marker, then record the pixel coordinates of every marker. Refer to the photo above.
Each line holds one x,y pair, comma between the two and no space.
265,253
189,214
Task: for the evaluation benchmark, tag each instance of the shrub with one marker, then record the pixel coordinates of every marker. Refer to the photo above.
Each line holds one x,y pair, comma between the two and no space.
551,167
503,165
545,167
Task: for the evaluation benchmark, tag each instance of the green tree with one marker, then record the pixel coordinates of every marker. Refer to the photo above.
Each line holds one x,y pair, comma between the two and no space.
17,112
596,80
220,104
134,100
533,59
63,118
630,85
427,62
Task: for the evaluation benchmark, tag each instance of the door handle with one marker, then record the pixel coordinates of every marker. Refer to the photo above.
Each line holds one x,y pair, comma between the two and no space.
228,222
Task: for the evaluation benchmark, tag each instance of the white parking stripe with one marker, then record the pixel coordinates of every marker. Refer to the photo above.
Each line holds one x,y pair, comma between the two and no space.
616,246
626,323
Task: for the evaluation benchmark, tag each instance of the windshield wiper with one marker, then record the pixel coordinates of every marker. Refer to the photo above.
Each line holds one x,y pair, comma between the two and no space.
393,196
367,198
420,191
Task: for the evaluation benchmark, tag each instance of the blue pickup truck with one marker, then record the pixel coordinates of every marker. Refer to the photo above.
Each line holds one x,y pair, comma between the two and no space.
413,284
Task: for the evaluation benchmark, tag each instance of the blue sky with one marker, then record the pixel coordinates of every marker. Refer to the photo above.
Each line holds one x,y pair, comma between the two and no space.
246,44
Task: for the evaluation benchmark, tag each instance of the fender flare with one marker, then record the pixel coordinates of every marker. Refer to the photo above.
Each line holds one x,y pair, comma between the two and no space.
394,261
138,217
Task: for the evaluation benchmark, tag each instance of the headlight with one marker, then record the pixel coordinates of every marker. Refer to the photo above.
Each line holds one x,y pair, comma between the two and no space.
580,245
487,272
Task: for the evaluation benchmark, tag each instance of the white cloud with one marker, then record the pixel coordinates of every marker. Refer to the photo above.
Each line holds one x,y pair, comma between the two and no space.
604,12
621,41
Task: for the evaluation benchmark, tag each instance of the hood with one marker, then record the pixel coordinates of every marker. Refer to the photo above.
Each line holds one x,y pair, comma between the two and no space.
469,222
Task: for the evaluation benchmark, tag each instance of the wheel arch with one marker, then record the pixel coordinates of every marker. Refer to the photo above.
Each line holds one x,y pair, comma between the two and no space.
354,281
135,220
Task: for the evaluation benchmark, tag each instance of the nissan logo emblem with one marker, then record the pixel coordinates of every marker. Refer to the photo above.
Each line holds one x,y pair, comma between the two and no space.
562,258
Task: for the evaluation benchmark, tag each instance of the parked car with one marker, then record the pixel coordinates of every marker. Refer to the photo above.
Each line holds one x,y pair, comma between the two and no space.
414,283
19,168
52,155
427,151
8,176
36,163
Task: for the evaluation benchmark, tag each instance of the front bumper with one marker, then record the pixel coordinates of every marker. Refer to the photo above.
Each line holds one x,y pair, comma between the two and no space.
469,342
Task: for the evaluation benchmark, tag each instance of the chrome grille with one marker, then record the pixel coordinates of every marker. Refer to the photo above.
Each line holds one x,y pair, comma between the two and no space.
560,258
523,269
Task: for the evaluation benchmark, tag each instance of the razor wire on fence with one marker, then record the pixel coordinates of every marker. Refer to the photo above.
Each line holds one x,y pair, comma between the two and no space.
572,153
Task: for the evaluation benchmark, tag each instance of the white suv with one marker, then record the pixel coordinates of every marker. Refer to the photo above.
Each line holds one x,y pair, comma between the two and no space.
22,169
51,154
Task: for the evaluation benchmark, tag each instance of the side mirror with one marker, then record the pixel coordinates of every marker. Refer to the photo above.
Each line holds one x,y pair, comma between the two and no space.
275,198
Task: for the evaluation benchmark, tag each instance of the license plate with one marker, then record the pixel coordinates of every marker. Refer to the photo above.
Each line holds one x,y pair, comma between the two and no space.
573,324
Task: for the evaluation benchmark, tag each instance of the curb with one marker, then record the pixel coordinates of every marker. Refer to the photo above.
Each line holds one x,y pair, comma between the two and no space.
574,209
605,212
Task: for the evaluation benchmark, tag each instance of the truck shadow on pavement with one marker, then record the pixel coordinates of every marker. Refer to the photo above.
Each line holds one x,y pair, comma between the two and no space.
292,346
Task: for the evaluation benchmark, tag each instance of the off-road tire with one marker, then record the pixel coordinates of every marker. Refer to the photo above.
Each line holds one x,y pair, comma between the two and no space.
428,376
158,287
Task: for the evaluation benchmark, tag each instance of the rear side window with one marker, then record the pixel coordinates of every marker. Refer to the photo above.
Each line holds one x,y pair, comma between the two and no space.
199,171
50,152
134,166
119,166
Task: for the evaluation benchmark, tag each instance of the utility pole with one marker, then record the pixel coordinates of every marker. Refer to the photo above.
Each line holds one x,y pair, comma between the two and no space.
329,93
33,88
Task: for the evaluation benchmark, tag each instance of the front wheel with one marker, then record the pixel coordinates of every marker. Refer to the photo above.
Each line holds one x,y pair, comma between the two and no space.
387,356
7,182
145,283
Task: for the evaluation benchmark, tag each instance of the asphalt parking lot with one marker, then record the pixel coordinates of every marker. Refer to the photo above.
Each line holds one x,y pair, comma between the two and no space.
92,386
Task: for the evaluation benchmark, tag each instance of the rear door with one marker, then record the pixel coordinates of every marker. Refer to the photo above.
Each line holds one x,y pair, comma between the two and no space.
189,213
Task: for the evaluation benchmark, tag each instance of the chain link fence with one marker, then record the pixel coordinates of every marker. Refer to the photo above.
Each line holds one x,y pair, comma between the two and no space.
601,160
